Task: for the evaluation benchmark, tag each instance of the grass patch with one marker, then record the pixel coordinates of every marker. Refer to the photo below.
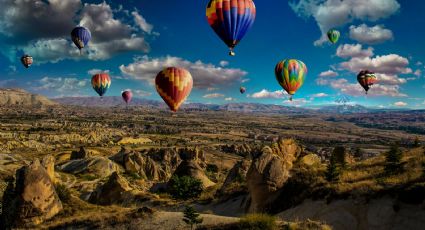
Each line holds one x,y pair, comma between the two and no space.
258,222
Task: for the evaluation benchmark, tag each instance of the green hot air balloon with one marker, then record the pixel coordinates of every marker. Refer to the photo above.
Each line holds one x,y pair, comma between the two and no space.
333,36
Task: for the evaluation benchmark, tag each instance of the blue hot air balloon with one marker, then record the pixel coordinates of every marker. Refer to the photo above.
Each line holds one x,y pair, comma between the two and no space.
80,36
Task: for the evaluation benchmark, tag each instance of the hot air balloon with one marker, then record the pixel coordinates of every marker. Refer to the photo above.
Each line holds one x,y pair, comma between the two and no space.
81,37
26,60
333,36
290,74
242,90
174,86
101,83
231,20
127,95
366,79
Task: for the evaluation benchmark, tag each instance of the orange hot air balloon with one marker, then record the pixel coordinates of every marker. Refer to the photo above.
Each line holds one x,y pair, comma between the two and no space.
174,86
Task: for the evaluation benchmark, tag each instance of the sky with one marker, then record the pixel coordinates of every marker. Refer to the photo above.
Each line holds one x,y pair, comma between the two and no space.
135,39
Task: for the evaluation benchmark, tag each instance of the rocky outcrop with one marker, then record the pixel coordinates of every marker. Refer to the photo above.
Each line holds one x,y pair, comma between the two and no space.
190,166
115,191
100,166
32,199
48,163
81,154
236,175
155,165
14,97
269,171
310,160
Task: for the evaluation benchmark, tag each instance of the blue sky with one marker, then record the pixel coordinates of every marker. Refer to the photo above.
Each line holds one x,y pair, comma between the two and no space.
134,40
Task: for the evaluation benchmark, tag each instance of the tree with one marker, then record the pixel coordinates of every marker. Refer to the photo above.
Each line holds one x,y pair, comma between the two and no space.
393,157
332,172
339,154
191,217
184,187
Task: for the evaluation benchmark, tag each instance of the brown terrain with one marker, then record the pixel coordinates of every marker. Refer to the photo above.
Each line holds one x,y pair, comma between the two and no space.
112,167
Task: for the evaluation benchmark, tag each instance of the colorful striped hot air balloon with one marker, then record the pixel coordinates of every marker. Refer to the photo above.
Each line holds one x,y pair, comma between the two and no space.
174,86
366,79
81,37
333,36
231,19
101,83
26,60
127,95
290,74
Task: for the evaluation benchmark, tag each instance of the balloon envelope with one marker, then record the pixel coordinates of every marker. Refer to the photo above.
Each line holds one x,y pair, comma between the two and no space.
231,19
174,86
366,79
333,36
101,83
80,36
127,95
26,60
290,74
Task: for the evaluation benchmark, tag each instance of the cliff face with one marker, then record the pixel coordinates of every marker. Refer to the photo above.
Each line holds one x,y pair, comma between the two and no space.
12,97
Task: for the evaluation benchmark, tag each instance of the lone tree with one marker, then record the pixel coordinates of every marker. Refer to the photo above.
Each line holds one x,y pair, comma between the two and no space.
393,164
332,172
339,154
191,217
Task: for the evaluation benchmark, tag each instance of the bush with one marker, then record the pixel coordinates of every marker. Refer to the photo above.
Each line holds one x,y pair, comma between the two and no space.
258,222
332,172
340,154
184,187
393,163
63,193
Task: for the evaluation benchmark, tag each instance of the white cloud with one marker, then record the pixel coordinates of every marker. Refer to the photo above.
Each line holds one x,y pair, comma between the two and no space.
389,79
61,85
229,99
351,51
370,35
336,13
213,95
388,64
400,104
329,73
96,71
418,73
205,75
319,95
268,94
141,93
141,22
224,63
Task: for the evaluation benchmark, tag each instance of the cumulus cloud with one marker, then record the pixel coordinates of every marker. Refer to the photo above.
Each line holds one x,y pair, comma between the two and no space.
387,64
229,99
269,94
319,95
353,51
60,84
400,104
213,95
141,93
389,79
336,13
96,71
205,75
329,73
370,35
42,28
224,63
141,22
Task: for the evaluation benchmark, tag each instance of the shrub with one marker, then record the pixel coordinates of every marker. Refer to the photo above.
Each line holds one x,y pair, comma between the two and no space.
393,163
184,187
258,222
332,171
339,154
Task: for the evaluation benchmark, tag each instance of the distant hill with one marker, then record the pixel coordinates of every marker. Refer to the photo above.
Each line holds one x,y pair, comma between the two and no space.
232,107
344,109
11,97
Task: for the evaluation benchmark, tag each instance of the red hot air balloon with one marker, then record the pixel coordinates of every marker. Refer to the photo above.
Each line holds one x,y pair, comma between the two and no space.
366,79
27,60
174,86
127,95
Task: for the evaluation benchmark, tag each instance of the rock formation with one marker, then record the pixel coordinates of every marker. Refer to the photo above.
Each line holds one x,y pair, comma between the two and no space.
81,154
32,199
13,97
48,163
115,191
269,171
100,166
236,175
